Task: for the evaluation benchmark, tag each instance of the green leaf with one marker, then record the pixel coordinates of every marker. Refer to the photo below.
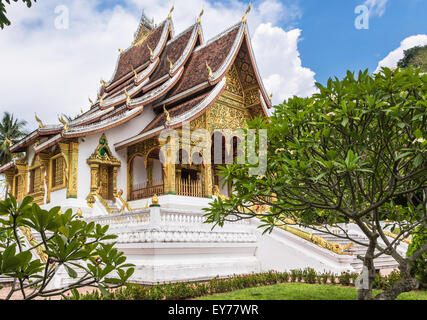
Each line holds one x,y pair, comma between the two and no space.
71,272
104,292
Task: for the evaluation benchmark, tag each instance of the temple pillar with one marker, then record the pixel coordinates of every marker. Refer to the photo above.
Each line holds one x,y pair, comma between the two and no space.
115,170
207,180
169,168
73,168
94,169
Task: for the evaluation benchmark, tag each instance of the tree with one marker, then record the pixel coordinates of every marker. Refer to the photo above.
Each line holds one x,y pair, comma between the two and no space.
414,57
345,154
66,242
4,21
11,130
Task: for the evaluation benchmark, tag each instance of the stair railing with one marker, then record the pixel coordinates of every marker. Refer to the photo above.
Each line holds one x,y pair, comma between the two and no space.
102,201
125,204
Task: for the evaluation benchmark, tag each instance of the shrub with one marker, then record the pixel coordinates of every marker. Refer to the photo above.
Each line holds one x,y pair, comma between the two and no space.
344,279
325,277
294,275
394,277
309,275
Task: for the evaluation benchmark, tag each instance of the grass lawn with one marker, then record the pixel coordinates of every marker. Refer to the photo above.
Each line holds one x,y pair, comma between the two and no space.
302,291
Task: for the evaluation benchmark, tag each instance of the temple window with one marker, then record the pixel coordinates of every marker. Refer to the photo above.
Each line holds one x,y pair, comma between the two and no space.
35,180
19,188
58,172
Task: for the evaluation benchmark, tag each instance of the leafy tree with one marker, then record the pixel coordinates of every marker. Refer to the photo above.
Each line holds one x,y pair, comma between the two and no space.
4,21
419,266
415,57
83,249
343,155
11,130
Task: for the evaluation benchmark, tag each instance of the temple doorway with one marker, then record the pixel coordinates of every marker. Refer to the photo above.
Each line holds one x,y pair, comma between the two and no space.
106,182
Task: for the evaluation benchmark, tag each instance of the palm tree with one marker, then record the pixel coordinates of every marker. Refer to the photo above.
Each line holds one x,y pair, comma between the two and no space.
11,130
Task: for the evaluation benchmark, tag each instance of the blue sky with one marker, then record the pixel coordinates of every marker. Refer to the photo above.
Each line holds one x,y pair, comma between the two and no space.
296,43
331,44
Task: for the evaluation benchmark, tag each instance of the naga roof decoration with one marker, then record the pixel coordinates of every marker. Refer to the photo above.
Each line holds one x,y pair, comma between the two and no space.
182,73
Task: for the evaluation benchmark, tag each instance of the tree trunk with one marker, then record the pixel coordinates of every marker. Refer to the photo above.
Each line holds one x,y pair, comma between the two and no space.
368,262
408,283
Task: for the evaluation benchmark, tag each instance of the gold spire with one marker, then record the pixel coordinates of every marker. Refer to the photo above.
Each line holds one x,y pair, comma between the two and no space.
199,19
135,74
128,99
121,51
245,17
39,121
168,117
79,212
64,123
170,12
8,141
209,70
171,66
103,83
101,101
151,51
91,102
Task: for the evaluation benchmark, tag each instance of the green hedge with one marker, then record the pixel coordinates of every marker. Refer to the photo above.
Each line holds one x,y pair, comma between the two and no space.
188,290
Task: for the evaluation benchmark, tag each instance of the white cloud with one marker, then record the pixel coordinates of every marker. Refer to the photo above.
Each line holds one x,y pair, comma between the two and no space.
278,57
376,7
394,56
52,71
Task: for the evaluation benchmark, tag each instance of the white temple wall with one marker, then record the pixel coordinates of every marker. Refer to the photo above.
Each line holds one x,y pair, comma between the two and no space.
115,135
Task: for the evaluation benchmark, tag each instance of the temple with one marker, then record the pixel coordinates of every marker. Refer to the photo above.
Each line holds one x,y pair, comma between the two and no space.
107,163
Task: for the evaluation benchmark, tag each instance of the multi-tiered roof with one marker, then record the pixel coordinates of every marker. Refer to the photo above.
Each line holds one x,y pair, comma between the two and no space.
180,73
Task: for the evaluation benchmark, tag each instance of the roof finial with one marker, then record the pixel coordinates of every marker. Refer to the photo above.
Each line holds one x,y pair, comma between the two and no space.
121,51
103,83
135,73
170,12
81,111
91,102
101,101
209,70
245,17
199,19
171,66
128,99
270,96
39,121
64,123
8,141
168,117
151,51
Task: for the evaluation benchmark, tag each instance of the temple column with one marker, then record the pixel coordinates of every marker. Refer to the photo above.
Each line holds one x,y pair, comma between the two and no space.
207,180
94,169
115,169
73,168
